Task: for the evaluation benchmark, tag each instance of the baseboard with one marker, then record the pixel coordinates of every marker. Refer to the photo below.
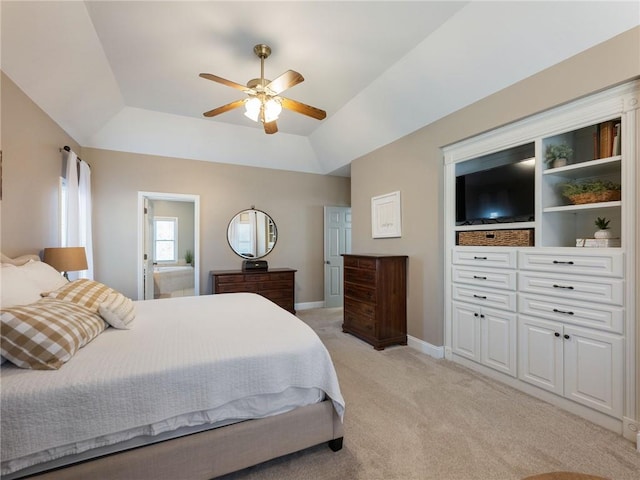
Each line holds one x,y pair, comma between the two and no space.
424,347
309,305
631,430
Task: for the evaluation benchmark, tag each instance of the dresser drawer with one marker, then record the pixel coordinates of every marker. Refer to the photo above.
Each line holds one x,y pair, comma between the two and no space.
359,316
485,257
356,275
605,264
571,311
236,287
504,279
368,263
587,288
359,292
490,298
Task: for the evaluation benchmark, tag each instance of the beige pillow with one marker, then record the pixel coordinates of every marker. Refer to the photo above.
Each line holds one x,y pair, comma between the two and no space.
118,310
84,292
46,334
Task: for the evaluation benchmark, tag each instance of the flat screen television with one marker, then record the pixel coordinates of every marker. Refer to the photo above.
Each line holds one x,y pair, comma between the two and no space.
502,194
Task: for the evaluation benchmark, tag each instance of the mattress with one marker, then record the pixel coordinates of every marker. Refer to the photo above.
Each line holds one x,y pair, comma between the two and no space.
187,362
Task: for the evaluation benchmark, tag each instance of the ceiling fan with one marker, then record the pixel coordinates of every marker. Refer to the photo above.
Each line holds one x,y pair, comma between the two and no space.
264,102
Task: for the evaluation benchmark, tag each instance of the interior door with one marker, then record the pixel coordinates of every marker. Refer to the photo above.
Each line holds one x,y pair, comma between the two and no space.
148,249
337,240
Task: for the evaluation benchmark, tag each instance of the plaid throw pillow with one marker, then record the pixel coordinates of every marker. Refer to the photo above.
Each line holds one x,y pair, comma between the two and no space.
84,292
46,334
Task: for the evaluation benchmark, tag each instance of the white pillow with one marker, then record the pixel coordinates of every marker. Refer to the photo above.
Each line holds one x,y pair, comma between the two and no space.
16,288
44,275
118,311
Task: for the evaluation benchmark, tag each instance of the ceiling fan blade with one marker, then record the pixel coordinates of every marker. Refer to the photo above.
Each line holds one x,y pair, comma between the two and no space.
270,127
224,108
303,109
287,80
224,81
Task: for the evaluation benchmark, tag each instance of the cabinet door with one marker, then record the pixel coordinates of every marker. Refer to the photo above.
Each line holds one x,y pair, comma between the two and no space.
593,369
540,354
498,334
466,331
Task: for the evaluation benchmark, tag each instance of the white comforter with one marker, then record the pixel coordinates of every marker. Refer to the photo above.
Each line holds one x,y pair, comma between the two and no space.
182,358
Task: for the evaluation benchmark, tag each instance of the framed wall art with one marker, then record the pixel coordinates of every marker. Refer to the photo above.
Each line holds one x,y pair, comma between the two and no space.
385,216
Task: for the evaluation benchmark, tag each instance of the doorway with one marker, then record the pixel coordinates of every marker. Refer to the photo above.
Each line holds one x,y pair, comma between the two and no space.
168,262
337,240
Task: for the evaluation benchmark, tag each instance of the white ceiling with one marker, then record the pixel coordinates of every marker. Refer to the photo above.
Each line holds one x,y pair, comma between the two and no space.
123,75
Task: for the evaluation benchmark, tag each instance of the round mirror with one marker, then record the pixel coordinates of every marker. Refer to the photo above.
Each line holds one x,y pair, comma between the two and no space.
252,233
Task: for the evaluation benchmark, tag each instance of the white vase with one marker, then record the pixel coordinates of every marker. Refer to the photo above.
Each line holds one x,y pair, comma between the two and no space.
602,234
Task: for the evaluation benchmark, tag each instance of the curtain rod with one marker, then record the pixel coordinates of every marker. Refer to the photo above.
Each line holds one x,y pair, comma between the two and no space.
67,148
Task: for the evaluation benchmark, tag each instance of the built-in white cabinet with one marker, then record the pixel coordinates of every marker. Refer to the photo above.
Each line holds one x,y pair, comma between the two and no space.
583,365
484,306
556,318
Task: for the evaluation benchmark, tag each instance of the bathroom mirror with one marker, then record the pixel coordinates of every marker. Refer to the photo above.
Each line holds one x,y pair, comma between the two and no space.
252,233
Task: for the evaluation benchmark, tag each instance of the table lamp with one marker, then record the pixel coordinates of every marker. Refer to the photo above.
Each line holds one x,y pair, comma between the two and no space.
66,259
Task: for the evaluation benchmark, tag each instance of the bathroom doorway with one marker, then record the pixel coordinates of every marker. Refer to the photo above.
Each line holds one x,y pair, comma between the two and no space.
168,245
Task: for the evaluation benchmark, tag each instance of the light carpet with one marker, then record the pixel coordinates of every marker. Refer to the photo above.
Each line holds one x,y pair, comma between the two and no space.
410,416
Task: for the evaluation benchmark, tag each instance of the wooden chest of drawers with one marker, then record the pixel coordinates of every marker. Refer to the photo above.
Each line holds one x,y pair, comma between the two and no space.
375,299
276,284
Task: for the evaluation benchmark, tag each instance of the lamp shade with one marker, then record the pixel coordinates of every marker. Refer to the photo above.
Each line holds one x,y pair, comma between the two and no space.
66,259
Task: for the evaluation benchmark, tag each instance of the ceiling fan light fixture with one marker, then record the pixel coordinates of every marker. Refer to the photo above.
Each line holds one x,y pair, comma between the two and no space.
272,110
252,108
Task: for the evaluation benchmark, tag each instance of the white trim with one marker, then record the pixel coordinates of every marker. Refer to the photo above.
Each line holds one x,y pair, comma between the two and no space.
309,305
425,347
181,197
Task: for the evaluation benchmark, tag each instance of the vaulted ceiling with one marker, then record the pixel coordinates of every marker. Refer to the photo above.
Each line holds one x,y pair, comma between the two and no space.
123,75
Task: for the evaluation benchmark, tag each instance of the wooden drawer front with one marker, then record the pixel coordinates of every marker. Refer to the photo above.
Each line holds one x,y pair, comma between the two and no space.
355,275
360,292
360,262
279,285
236,287
275,294
570,311
606,264
591,289
505,279
489,298
359,316
239,278
485,257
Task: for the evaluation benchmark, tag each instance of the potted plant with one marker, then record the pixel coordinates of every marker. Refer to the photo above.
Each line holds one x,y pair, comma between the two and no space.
591,191
558,155
188,257
603,228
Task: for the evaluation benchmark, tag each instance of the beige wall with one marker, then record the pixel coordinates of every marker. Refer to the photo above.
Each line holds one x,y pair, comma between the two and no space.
414,165
295,201
31,168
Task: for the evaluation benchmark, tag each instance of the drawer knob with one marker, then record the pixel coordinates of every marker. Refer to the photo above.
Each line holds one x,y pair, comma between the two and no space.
559,262
477,277
563,311
481,297
566,336
568,287
556,334
479,258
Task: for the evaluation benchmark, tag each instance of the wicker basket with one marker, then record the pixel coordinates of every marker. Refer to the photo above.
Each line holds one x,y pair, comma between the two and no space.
497,238
595,197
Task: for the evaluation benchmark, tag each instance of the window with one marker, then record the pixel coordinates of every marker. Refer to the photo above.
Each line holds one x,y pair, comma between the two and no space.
165,234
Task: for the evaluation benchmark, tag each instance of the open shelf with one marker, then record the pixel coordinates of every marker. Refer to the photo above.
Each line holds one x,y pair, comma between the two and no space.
586,206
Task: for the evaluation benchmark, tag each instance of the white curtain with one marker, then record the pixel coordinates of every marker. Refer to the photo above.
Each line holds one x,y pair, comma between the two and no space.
78,214
84,219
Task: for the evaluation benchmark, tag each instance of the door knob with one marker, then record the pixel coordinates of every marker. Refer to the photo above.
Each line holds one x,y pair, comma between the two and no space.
327,262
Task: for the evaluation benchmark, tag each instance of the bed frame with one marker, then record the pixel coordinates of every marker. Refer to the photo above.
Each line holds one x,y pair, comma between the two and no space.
216,452
211,453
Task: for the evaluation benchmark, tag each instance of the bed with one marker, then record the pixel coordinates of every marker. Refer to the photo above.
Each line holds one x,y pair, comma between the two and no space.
189,387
